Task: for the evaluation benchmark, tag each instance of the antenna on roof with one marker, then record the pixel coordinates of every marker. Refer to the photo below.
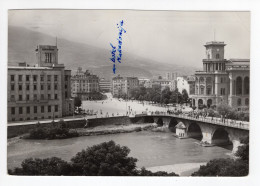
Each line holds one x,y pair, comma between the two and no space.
214,34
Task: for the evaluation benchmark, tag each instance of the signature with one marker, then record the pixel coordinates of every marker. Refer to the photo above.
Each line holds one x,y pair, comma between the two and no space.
117,57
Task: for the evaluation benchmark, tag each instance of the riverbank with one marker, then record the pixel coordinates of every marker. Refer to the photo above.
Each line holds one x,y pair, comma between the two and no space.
99,130
114,129
183,169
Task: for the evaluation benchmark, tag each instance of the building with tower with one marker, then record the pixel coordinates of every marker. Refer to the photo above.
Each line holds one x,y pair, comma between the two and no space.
41,91
222,80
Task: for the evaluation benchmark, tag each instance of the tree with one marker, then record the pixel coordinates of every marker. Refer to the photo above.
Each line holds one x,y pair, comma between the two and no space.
105,159
243,150
77,102
224,109
228,167
50,166
185,96
223,167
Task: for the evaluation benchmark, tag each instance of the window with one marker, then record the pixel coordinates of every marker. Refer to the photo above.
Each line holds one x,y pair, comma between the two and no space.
20,77
12,98
49,108
13,110
12,77
55,87
12,87
246,101
42,96
34,87
49,96
42,87
222,91
27,87
48,57
27,78
216,66
49,77
34,77
42,77
66,78
221,80
20,87
56,108
28,110
49,87
66,94
208,91
67,86
28,97
239,102
20,97
56,96
42,109
217,56
35,109
20,110
35,96
55,77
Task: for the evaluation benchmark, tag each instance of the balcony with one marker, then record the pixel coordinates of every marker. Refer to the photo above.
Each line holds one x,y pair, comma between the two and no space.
210,72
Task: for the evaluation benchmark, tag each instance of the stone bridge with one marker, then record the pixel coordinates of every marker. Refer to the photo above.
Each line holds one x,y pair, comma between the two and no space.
211,131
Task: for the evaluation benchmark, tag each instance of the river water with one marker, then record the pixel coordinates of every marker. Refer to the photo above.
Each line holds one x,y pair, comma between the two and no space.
150,148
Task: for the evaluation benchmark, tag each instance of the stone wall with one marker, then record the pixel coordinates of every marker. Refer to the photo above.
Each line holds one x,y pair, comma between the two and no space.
16,130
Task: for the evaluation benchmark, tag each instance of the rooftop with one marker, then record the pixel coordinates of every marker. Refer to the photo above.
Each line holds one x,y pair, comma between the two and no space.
220,43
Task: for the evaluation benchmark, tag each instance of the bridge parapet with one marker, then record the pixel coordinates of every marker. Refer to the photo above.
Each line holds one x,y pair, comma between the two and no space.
215,121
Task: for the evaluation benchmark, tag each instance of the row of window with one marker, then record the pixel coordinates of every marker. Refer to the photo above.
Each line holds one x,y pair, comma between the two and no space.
239,102
35,97
35,118
35,77
34,109
35,87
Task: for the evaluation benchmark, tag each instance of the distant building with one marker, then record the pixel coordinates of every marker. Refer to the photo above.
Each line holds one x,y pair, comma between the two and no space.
163,83
105,85
171,76
41,91
145,82
121,86
222,81
84,85
187,83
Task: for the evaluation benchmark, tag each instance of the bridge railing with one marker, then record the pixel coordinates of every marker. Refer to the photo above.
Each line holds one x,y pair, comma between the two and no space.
212,120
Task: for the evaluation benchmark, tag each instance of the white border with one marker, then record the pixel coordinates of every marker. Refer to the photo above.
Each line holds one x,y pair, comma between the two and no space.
198,5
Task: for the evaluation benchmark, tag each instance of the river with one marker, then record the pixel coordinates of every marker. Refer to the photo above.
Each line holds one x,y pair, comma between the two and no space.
152,149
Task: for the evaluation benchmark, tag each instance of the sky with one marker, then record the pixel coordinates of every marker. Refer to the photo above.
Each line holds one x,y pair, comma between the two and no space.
164,36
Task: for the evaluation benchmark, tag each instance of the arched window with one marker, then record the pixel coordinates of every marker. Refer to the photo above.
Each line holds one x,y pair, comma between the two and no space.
202,90
246,85
201,79
239,86
247,101
217,56
239,102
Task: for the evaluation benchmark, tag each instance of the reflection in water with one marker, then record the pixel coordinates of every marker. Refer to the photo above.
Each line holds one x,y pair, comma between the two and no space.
150,148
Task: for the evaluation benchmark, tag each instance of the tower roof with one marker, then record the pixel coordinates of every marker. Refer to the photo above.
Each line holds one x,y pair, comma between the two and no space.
215,43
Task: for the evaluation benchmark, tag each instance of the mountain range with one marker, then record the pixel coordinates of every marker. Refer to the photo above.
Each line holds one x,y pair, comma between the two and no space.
22,43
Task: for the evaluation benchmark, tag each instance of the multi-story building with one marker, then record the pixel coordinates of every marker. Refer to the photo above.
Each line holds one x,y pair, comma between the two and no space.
163,83
104,85
222,81
171,75
84,85
41,91
123,85
187,83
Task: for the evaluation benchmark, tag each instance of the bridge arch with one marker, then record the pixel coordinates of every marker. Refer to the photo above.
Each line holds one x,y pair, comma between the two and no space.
194,131
172,125
221,137
159,122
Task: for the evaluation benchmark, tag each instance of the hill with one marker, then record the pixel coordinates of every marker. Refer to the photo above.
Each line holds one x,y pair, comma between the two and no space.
22,44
